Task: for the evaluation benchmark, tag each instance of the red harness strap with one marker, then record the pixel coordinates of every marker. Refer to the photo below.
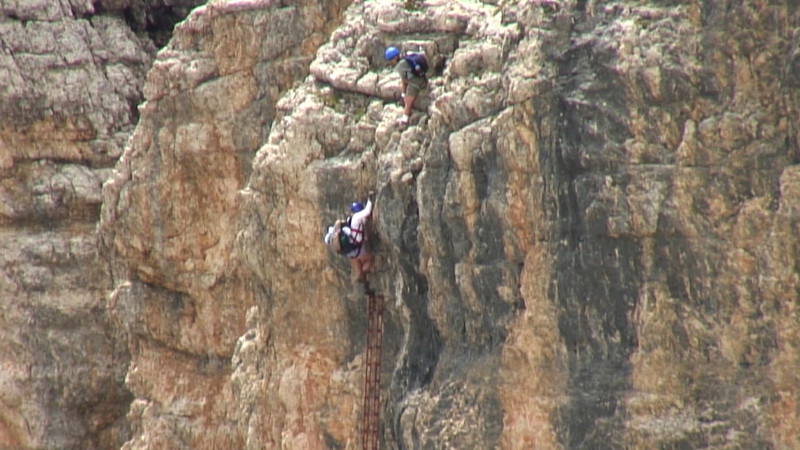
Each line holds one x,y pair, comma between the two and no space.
354,233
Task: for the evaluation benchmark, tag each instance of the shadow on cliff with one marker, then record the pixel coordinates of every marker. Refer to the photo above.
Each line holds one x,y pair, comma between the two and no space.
596,276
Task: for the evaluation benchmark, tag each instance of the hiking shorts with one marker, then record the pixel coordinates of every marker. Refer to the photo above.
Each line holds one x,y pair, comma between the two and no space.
415,85
358,253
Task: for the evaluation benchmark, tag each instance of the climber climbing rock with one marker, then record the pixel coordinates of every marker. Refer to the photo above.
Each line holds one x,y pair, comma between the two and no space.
348,237
413,68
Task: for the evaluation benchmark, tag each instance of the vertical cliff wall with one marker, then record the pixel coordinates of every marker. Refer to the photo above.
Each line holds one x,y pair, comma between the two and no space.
171,213
71,74
587,237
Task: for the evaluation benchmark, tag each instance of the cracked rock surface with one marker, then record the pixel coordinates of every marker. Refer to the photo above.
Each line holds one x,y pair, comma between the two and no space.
71,74
587,237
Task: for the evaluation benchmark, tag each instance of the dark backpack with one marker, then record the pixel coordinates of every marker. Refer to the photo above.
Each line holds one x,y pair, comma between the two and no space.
339,242
418,63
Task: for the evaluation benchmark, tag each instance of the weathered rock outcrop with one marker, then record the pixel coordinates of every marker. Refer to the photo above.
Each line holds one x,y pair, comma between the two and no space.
588,238
71,74
171,213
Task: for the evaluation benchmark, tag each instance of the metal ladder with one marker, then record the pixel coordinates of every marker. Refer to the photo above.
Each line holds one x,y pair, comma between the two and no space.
370,421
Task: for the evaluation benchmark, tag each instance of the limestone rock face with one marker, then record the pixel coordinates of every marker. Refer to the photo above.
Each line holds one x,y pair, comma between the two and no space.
63,365
71,74
586,238
171,211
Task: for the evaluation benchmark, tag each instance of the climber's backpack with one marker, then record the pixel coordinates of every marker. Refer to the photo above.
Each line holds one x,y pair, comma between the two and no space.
418,63
339,242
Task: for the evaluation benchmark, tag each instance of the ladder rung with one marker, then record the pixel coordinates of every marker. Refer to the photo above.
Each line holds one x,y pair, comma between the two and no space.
372,377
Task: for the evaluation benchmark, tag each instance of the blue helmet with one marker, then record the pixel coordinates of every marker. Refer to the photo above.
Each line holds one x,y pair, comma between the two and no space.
356,207
391,53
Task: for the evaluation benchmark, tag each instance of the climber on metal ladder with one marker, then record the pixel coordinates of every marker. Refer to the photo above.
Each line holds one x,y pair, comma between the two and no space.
348,237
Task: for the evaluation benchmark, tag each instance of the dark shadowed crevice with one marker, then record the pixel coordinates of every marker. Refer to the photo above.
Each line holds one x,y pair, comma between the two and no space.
161,21
424,343
152,19
597,277
413,344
